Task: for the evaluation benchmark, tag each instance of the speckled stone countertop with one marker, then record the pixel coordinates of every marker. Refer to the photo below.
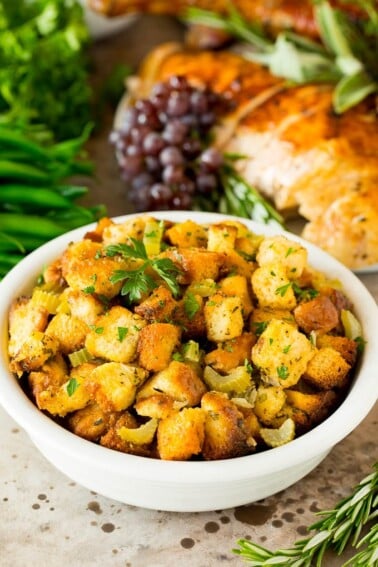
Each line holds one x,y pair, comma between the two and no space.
46,520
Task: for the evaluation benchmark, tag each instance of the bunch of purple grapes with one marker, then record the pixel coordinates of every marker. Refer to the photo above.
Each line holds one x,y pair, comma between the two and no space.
163,146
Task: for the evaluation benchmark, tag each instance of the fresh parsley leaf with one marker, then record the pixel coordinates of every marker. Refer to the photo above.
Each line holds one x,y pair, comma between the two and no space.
283,372
191,305
122,333
282,289
259,326
72,386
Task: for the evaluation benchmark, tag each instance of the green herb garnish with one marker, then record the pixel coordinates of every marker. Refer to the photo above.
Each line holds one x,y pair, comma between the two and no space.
72,386
191,305
138,282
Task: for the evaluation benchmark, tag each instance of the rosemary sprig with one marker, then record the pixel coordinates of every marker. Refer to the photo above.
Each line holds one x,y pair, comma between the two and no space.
138,282
334,531
345,59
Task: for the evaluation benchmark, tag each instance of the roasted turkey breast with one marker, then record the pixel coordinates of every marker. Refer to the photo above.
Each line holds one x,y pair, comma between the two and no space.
298,152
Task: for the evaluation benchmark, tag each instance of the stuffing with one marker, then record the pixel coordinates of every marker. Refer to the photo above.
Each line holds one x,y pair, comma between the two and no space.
318,314
156,344
68,331
181,434
281,250
188,234
327,369
273,288
223,317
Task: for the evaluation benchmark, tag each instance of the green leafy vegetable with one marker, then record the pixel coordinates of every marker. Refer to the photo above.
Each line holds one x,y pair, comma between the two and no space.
138,282
333,532
191,305
43,71
347,57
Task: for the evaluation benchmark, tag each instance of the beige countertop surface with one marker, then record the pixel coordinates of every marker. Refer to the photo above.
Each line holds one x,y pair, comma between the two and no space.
47,520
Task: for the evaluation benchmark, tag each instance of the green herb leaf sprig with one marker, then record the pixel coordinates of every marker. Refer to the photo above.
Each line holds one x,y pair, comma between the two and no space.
138,282
333,532
345,57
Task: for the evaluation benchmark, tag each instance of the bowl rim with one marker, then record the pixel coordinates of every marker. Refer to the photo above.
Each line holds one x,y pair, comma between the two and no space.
42,429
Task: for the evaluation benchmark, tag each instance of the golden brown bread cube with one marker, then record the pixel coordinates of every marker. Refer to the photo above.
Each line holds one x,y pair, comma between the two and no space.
195,264
156,344
282,354
190,316
69,331
85,267
232,353
115,335
269,402
234,263
307,410
25,317
37,349
157,405
346,347
91,422
260,317
71,395
113,385
224,317
318,314
115,233
52,374
187,234
221,237
281,250
238,285
178,380
272,287
112,440
181,434
225,435
159,306
84,306
327,369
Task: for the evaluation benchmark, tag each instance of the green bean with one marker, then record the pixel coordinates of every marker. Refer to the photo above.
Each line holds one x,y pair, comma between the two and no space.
23,243
13,139
10,259
23,195
32,225
23,172
72,218
71,192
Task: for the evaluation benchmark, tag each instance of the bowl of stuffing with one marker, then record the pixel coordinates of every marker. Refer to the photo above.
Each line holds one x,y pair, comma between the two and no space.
186,361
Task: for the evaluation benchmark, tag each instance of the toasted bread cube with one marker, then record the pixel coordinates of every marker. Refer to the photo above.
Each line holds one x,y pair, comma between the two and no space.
34,352
70,396
261,316
221,237
113,385
327,369
346,347
116,233
159,306
190,316
307,410
195,264
91,422
225,436
69,331
82,305
85,267
237,285
318,314
178,380
158,406
232,353
269,402
181,434
187,234
115,335
52,374
25,317
224,317
281,250
282,354
156,344
272,287
234,263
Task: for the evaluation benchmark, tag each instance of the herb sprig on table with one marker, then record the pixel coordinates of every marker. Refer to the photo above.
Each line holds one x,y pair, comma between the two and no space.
346,57
333,532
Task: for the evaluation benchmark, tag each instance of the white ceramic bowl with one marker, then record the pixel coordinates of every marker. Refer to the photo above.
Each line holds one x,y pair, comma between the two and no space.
100,26
189,486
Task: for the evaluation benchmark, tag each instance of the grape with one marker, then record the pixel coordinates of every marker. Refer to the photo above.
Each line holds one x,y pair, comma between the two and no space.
162,146
153,143
171,156
172,174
